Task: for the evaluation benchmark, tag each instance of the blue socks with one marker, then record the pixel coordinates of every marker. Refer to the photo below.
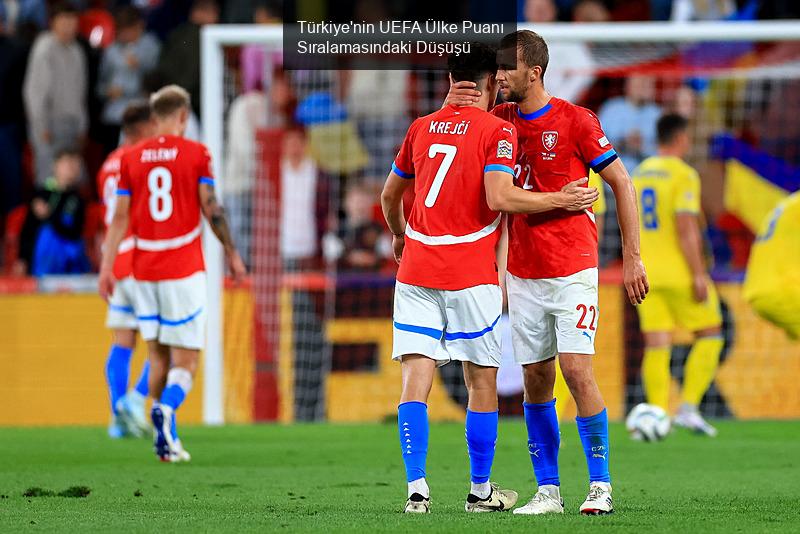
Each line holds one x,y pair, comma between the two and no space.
481,434
594,437
179,383
142,386
412,423
544,440
119,359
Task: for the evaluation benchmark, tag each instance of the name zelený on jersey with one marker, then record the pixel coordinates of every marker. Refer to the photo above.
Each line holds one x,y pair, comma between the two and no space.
447,127
154,155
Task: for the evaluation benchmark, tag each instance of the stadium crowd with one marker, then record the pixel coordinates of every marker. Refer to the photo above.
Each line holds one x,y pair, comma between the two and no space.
69,68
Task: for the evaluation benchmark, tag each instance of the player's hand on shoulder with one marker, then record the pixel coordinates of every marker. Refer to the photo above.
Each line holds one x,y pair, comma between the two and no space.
236,266
462,94
634,277
105,284
576,197
700,288
398,244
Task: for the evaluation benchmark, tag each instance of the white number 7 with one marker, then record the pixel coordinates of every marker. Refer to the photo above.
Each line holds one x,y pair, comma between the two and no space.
449,152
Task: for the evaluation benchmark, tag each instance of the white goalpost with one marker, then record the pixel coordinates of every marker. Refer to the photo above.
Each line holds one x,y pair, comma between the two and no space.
216,98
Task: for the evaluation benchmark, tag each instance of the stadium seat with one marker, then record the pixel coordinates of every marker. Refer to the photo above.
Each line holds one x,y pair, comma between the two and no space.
93,230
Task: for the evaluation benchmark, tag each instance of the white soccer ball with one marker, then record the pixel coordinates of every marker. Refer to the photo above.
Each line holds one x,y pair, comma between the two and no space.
647,422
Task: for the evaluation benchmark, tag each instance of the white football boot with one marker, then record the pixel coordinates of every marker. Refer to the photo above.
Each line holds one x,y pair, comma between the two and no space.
599,501
131,414
498,500
689,417
178,453
546,501
417,504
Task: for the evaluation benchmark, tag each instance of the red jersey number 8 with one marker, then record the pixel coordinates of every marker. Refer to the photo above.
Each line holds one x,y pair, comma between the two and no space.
159,183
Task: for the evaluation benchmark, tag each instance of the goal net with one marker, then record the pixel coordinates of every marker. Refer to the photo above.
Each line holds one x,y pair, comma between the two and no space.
301,157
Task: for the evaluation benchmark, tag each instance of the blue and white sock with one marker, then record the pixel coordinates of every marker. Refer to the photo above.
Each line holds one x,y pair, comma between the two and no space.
117,365
544,440
142,386
412,423
594,437
481,434
179,383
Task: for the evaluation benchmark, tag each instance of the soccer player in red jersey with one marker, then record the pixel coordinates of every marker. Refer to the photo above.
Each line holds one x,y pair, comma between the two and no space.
447,298
165,184
552,266
127,408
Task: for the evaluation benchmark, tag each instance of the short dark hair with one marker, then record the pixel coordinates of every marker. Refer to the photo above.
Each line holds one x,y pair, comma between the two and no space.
669,126
62,8
135,114
534,48
473,66
205,4
68,151
127,17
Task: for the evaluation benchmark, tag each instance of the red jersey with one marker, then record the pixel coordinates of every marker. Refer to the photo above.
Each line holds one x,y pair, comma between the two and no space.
162,175
451,235
558,144
107,179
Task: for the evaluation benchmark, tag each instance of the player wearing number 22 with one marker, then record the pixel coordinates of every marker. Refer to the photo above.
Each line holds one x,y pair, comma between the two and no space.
682,292
447,299
552,267
165,183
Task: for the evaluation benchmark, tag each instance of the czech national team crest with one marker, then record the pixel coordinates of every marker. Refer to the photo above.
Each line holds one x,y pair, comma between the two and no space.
550,139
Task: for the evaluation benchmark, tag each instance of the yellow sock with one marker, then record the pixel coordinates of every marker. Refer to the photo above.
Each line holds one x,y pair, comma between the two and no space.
655,375
561,393
700,368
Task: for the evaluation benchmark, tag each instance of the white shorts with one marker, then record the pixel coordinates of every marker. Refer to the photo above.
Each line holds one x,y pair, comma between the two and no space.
551,316
448,325
121,314
173,311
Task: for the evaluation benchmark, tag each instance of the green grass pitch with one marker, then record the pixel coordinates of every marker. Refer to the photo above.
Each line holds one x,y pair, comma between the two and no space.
349,478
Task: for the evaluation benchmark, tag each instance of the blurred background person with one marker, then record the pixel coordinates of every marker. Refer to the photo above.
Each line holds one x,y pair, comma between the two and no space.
247,114
630,120
124,65
55,90
52,235
299,176
569,73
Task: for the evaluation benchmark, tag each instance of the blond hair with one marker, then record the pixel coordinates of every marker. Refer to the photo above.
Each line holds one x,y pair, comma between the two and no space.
168,100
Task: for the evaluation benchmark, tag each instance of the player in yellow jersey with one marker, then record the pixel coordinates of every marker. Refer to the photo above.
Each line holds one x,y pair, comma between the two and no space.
772,285
681,292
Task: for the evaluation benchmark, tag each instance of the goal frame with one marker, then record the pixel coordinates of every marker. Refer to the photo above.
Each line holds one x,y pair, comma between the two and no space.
214,38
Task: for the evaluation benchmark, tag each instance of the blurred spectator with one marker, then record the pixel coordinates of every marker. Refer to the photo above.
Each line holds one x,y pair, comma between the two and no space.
180,56
360,243
684,102
124,65
55,90
246,11
298,201
254,56
630,120
569,72
247,114
13,55
17,13
590,11
51,240
687,10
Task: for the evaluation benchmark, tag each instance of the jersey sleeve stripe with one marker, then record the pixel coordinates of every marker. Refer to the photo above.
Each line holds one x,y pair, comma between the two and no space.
123,192
425,331
401,174
206,180
452,336
603,160
498,167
